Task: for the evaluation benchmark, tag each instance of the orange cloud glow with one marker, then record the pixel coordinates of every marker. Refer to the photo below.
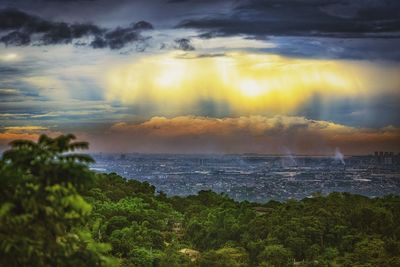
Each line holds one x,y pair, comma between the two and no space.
247,134
28,132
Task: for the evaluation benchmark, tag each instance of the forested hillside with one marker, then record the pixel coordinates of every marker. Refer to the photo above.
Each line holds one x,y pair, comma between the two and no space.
54,211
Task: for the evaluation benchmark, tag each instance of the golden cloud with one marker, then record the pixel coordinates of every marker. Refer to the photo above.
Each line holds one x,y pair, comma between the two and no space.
245,83
6,138
24,129
246,134
28,132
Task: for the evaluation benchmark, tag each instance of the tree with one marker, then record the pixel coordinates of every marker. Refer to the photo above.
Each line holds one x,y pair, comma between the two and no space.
276,255
218,259
42,214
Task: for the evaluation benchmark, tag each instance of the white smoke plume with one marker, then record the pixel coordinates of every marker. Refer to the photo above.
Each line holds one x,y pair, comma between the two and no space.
339,156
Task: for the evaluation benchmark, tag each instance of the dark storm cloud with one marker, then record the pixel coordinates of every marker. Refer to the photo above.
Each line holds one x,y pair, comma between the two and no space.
142,26
19,27
197,1
16,38
12,19
23,25
341,18
67,1
336,48
184,44
63,33
119,37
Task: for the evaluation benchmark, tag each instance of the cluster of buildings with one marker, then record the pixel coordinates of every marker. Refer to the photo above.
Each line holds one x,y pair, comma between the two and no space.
386,158
259,178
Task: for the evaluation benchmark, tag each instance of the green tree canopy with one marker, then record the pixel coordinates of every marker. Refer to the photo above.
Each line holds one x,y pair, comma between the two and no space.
42,214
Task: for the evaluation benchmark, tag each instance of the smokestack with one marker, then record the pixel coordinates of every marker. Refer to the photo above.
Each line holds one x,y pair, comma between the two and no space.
339,156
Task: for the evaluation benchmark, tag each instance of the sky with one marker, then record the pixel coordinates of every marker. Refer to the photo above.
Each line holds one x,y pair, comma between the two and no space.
306,77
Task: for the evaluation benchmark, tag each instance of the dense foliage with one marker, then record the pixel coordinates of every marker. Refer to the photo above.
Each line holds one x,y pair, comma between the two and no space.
55,212
42,214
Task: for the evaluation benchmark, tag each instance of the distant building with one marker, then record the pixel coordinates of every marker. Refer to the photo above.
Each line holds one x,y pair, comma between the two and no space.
385,158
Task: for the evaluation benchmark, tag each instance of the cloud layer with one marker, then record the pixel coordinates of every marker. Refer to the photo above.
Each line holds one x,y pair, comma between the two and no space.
292,72
29,132
246,134
238,83
345,18
21,29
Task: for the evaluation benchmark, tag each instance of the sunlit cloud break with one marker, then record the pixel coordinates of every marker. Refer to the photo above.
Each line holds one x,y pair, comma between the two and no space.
244,83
